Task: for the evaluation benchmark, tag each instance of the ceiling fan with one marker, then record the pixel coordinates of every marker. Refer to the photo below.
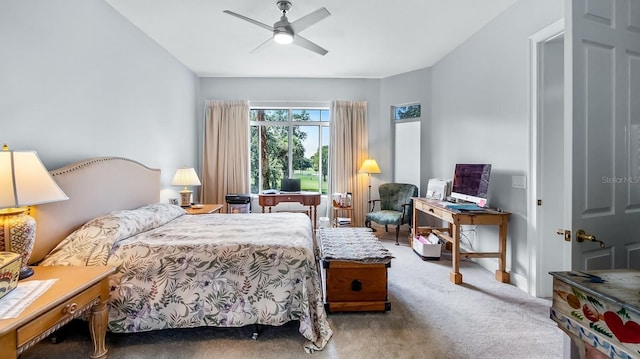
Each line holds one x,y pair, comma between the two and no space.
285,32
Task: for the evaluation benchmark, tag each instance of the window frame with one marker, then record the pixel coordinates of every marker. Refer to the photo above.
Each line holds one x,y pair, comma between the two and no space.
395,108
290,123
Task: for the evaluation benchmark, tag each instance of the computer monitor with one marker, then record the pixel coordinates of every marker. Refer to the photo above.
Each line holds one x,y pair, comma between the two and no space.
290,185
471,183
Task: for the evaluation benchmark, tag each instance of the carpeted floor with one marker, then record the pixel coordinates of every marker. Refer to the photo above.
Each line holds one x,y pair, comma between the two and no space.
430,318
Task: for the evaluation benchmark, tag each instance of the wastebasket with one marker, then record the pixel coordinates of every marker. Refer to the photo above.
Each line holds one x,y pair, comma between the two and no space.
238,203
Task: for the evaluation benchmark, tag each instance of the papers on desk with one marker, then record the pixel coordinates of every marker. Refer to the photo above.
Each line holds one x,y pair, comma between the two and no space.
12,304
469,208
464,206
344,220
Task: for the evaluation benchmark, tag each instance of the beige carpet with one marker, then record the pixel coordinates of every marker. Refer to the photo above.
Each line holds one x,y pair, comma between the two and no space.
430,318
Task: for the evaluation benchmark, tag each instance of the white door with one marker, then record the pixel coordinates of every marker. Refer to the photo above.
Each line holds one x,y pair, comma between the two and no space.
602,110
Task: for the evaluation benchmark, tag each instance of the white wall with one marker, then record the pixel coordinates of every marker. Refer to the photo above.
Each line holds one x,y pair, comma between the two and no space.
480,114
77,80
410,87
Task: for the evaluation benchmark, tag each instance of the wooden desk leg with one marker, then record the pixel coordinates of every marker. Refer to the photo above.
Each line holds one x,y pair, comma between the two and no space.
313,210
501,274
455,275
98,328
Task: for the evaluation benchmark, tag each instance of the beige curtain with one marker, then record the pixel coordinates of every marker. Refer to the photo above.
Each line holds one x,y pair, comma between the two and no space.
349,148
225,167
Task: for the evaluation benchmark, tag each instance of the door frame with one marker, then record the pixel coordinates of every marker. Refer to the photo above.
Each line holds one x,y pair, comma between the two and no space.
534,236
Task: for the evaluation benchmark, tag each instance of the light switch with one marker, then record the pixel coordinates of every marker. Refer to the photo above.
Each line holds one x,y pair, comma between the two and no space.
519,182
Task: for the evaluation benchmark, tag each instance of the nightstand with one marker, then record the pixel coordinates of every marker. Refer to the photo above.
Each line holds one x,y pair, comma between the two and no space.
77,290
208,208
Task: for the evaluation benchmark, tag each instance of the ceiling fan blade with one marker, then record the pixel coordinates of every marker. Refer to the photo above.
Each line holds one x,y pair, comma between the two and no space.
310,19
261,46
301,41
255,22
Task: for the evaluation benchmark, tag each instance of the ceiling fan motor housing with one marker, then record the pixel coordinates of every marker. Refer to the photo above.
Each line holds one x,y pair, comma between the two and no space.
282,31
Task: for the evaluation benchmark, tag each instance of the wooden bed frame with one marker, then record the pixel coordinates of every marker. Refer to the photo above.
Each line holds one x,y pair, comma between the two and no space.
95,187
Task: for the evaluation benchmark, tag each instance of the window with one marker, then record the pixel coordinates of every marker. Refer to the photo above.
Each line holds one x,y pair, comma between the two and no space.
406,112
289,142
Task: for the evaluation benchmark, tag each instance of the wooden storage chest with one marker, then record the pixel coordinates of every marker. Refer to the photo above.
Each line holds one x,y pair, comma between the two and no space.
354,270
354,286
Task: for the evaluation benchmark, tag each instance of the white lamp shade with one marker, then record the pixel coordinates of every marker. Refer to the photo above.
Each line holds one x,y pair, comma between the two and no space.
24,180
185,177
369,166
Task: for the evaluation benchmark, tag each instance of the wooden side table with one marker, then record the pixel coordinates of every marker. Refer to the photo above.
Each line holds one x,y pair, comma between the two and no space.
75,292
340,210
208,208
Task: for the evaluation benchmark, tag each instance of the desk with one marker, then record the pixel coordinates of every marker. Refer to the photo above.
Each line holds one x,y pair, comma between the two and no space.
456,219
311,199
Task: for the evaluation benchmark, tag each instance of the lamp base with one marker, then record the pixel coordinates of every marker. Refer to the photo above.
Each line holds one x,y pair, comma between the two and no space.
17,235
185,198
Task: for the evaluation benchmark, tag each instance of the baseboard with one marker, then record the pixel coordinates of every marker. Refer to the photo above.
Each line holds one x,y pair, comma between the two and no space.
516,279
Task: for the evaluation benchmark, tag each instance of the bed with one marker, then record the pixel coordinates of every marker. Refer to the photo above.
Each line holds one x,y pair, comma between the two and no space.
175,270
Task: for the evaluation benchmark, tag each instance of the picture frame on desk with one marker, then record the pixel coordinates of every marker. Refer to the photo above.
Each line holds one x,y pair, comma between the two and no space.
438,189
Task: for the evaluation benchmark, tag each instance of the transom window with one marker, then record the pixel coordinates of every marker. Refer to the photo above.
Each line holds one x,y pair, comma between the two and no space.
405,112
289,143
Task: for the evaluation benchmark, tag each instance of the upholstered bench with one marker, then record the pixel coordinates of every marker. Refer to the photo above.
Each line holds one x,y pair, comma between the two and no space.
354,270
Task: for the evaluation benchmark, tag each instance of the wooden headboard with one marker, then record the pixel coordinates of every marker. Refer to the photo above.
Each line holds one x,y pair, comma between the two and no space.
95,187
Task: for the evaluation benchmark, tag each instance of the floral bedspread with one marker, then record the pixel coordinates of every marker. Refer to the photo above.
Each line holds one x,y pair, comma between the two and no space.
226,270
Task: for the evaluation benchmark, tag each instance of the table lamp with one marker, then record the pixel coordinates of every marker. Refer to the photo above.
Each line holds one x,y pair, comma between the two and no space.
24,181
369,166
185,177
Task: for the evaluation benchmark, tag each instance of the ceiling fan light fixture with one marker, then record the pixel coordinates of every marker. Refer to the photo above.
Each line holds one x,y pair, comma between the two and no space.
282,37
285,32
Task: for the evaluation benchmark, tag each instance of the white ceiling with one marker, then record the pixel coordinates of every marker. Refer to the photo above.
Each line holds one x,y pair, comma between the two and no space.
365,38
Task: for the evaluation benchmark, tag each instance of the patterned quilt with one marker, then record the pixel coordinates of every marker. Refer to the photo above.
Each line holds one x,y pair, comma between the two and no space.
227,270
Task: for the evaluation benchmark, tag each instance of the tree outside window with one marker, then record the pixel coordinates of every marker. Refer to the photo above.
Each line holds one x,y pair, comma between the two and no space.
289,143
407,111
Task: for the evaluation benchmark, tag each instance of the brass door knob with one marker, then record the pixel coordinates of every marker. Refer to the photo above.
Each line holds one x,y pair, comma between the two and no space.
582,236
